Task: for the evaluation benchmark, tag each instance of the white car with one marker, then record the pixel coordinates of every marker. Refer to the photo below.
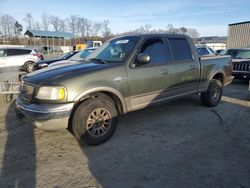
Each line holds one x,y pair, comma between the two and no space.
19,57
205,51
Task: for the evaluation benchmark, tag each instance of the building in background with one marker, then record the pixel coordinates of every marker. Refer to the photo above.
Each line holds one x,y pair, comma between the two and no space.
239,35
214,42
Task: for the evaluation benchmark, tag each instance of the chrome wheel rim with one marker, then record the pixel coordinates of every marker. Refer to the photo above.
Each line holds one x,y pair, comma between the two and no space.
215,94
99,122
30,68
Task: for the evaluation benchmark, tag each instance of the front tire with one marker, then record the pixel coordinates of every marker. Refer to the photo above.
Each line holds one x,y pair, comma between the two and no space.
213,95
29,67
95,120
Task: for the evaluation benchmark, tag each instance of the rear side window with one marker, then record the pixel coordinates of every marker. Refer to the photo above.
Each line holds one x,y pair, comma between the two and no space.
180,49
12,52
157,50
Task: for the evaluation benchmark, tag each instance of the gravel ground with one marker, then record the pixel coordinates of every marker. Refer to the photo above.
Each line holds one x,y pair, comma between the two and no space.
177,144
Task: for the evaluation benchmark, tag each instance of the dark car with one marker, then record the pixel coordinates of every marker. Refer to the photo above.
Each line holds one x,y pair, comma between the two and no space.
241,64
78,57
232,51
44,63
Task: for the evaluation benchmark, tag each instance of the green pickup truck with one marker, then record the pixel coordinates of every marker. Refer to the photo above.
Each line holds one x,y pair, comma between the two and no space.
126,73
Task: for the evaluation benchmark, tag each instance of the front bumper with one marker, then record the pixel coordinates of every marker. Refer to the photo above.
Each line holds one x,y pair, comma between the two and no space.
46,116
241,74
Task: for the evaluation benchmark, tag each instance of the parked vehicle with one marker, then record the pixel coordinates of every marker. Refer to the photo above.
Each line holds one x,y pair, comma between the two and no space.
44,63
241,64
233,52
205,51
19,57
94,44
79,56
126,73
217,52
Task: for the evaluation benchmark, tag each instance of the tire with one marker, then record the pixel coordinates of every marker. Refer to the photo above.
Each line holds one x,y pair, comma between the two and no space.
29,67
7,98
213,95
95,120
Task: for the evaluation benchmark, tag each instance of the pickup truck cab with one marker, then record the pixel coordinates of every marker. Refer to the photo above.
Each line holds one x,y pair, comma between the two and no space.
126,73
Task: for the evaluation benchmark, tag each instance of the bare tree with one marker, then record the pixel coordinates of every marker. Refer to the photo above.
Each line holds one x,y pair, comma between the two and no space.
7,24
88,25
63,25
55,21
73,23
106,31
96,28
45,21
193,33
82,26
37,26
183,30
18,28
29,21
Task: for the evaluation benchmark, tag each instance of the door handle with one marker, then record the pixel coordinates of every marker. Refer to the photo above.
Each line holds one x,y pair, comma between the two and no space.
192,67
164,72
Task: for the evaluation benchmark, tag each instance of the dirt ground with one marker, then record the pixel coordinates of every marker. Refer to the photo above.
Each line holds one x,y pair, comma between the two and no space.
177,144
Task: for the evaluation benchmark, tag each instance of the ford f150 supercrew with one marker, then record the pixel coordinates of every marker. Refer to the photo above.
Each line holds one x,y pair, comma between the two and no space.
126,73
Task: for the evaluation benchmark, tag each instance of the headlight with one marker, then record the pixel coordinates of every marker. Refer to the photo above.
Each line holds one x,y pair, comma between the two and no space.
51,93
42,65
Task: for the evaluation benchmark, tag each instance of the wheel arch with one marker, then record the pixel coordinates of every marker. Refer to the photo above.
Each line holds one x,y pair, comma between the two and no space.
219,76
115,95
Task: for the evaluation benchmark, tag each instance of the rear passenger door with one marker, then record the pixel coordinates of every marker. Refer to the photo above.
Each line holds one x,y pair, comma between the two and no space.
186,69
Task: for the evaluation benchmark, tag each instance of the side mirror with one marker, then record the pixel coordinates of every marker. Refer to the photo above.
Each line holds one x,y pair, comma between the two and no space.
142,59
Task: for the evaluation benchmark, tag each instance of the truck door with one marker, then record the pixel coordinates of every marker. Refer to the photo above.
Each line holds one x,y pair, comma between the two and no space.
149,83
186,68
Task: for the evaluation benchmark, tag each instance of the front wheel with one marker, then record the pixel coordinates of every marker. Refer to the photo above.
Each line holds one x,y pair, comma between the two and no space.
29,67
95,120
213,95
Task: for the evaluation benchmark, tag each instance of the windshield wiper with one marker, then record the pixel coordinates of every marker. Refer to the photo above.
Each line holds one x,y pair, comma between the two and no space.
98,60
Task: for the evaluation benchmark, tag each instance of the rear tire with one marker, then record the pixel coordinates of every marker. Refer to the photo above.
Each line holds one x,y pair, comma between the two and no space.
29,67
95,120
213,95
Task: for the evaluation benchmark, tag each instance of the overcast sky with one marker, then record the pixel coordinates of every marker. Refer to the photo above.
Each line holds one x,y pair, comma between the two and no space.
210,18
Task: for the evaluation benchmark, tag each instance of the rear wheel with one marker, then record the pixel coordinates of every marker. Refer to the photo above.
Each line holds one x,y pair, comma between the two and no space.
95,120
213,95
29,67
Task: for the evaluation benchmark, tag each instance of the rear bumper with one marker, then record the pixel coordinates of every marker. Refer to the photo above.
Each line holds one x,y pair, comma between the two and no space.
46,116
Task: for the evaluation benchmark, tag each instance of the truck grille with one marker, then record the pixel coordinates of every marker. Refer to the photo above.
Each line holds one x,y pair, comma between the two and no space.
26,91
241,67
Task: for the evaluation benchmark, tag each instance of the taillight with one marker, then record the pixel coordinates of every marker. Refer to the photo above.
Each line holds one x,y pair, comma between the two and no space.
38,55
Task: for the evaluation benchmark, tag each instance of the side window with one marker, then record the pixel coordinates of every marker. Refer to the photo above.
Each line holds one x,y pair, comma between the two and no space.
12,52
202,51
23,52
157,50
180,49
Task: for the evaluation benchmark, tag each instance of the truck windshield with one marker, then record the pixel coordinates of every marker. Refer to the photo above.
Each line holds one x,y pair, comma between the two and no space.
244,54
115,50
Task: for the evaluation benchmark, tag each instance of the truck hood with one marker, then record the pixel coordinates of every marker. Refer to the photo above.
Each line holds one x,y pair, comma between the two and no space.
54,74
241,60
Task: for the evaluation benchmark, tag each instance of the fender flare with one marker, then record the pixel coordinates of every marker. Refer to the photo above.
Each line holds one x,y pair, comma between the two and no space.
104,89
